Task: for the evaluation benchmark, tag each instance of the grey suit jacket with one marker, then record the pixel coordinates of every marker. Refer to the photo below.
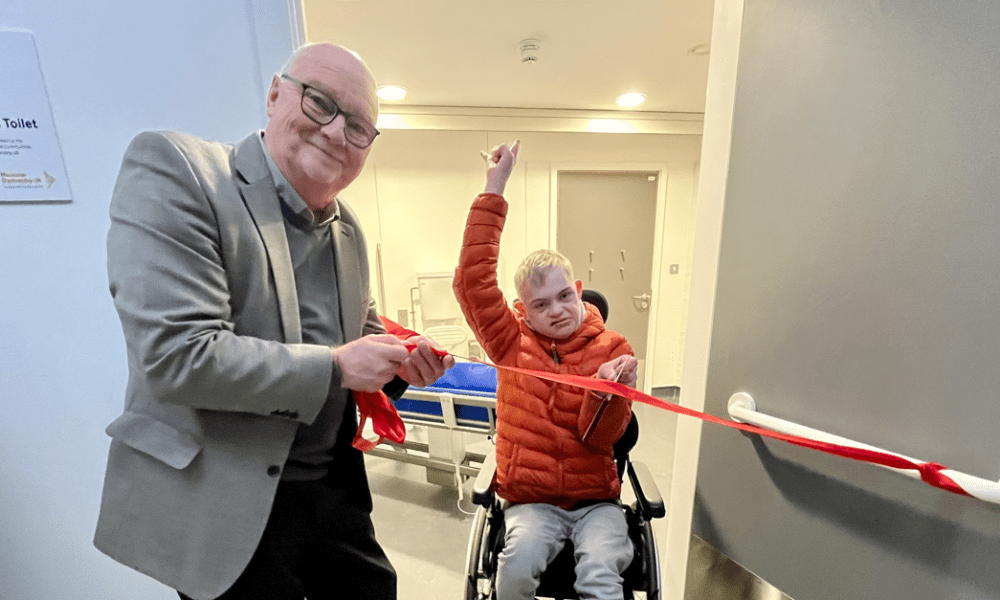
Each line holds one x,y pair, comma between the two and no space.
218,379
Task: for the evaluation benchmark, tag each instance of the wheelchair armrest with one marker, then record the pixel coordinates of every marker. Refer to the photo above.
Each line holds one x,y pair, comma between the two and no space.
647,495
482,489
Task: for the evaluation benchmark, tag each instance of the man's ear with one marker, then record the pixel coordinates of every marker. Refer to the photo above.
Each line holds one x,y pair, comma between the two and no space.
272,94
579,289
519,307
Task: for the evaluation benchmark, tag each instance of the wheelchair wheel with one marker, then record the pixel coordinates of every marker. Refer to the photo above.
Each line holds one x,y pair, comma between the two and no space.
478,576
650,565
642,577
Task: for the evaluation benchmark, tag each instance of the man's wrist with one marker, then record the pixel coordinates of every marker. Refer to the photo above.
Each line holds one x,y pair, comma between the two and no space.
336,375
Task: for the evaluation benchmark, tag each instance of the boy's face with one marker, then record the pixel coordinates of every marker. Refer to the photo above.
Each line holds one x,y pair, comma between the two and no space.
553,307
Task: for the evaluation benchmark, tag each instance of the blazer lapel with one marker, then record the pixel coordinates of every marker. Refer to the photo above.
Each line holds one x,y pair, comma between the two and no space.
261,198
348,286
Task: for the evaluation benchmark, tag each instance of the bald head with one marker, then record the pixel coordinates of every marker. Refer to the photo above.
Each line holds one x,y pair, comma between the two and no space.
335,56
317,158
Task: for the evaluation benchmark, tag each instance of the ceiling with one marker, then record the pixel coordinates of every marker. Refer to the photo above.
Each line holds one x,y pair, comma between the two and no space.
466,53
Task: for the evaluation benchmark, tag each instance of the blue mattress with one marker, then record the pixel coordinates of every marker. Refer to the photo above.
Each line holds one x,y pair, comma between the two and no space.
470,379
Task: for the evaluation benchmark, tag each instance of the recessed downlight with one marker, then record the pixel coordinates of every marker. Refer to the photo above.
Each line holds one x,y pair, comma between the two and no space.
391,92
631,99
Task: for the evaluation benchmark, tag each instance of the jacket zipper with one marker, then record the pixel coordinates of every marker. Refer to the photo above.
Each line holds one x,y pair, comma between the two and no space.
552,395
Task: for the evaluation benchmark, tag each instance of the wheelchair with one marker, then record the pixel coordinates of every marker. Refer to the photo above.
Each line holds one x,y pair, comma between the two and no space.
641,578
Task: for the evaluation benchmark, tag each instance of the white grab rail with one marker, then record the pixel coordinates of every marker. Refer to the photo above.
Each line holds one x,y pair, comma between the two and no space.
743,409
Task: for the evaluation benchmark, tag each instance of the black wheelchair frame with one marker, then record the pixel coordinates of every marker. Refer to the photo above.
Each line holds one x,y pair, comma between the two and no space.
641,578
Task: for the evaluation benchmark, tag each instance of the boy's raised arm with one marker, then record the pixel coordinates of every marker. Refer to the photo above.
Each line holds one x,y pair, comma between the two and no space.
475,283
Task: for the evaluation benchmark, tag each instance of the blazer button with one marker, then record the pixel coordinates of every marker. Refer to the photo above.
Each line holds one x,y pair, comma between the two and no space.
274,470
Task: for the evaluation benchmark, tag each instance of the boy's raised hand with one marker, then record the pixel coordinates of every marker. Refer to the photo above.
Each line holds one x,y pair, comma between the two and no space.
499,164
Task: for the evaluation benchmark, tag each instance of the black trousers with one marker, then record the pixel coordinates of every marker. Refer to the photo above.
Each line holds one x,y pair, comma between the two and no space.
319,543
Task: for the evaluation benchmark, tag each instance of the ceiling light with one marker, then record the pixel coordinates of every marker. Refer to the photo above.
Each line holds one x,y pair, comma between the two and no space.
391,92
631,99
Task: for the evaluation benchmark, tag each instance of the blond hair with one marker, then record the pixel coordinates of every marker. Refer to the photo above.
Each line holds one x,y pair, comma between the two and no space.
533,268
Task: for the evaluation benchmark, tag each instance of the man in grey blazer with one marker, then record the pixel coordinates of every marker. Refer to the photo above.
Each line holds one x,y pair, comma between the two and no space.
242,286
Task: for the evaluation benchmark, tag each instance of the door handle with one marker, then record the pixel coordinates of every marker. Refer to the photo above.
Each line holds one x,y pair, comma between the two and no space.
641,302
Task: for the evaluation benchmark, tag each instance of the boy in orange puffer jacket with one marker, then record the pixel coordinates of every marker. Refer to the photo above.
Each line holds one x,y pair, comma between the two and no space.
555,464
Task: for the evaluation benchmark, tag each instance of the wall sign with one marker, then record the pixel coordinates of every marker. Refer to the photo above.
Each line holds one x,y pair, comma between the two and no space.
31,162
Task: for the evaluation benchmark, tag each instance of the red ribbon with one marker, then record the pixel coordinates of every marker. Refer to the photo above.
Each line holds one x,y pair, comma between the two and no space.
387,422
929,472
376,405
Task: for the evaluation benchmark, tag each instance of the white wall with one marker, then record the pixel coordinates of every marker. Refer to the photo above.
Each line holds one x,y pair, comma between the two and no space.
112,69
414,194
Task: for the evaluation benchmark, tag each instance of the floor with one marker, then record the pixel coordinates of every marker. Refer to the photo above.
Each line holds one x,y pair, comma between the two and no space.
424,527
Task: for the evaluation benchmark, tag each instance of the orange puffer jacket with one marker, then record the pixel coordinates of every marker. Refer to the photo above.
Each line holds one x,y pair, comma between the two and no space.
541,453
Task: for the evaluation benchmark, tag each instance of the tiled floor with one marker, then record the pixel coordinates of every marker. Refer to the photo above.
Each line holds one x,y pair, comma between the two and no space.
425,532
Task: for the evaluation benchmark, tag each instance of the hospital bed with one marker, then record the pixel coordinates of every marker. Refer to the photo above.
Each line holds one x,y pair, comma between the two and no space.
457,415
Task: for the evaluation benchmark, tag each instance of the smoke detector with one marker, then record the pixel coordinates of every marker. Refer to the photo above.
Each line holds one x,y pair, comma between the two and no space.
530,49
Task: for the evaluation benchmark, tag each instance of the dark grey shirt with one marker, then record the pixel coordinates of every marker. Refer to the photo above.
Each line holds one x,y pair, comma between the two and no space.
310,244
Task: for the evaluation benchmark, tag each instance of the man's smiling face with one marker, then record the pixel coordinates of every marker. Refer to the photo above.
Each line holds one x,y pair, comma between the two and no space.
317,160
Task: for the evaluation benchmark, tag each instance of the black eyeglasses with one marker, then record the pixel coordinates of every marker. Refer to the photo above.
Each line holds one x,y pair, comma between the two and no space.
322,110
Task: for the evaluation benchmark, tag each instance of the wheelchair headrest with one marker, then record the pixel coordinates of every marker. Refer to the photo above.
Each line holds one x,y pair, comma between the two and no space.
597,299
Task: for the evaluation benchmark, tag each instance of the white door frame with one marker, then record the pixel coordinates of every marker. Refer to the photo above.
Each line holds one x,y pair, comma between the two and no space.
661,201
727,28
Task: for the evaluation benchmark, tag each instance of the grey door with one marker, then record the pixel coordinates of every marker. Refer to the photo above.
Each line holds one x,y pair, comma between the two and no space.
605,227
